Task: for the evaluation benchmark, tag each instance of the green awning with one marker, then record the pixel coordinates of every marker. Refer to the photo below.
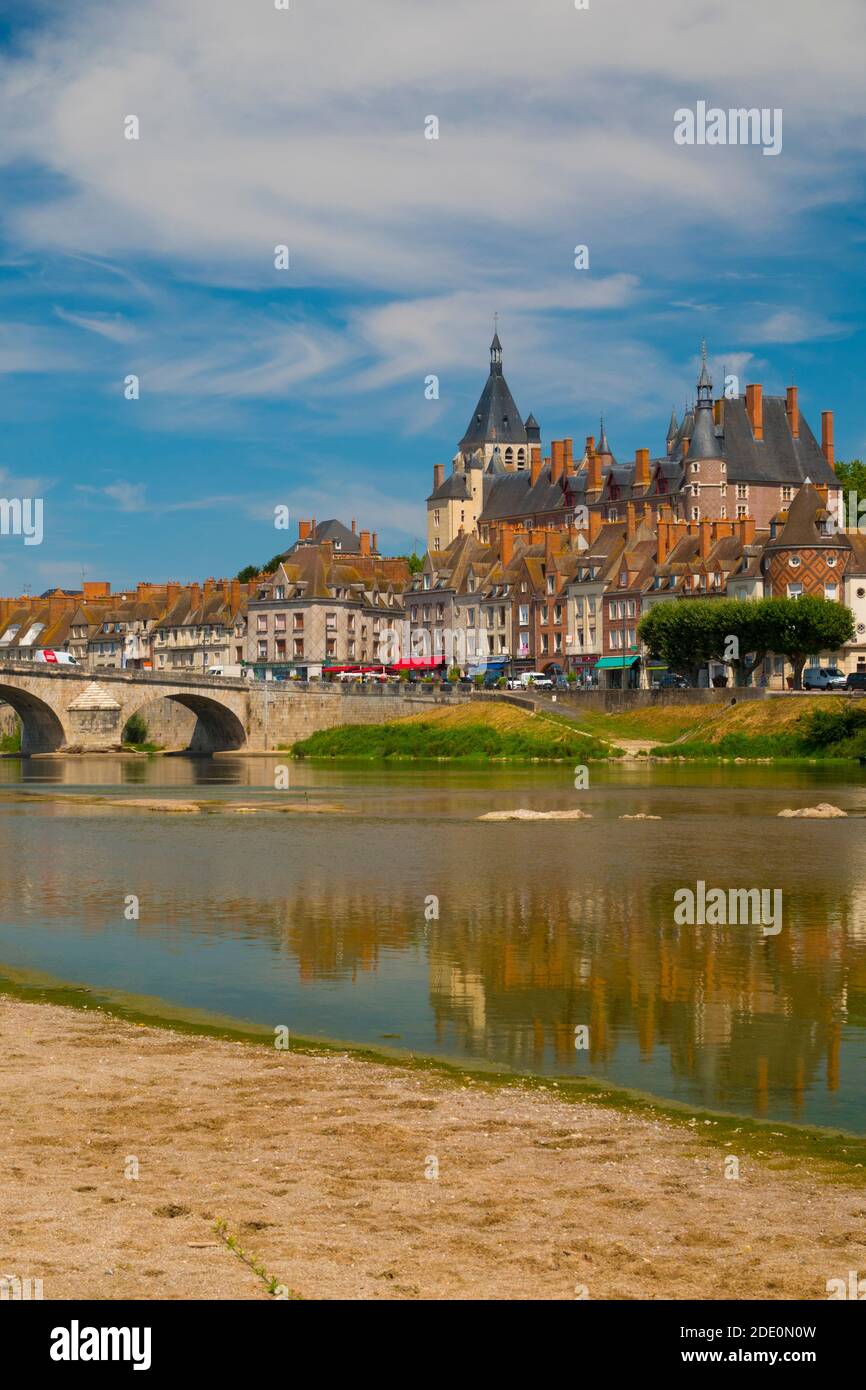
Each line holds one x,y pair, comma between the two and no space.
613,663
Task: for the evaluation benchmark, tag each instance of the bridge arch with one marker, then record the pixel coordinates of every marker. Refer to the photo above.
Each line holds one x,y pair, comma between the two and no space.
218,729
41,728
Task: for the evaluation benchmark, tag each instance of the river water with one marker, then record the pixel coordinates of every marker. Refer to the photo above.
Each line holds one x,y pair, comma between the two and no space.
327,924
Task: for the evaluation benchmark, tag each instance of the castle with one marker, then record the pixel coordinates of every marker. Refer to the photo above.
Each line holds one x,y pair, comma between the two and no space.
727,459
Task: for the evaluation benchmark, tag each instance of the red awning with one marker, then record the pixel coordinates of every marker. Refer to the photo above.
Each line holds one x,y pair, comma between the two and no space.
417,663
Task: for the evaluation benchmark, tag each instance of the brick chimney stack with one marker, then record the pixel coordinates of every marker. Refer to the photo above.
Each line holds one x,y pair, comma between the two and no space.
438,479
534,464
594,525
663,542
630,520
593,477
827,438
441,465
303,530
235,596
747,530
569,455
375,543
755,410
506,545
365,542
641,468
706,531
792,410
557,459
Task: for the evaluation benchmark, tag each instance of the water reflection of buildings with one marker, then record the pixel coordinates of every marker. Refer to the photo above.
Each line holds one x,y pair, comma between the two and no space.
511,972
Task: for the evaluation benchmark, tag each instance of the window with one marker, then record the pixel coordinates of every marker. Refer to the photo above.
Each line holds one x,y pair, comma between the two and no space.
696,467
551,583
830,591
263,651
330,622
262,622
741,511
435,516
523,617
794,562
742,490
786,493
696,513
831,561
279,591
299,646
795,590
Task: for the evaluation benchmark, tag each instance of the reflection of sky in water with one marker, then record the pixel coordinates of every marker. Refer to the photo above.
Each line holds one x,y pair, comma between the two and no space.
319,924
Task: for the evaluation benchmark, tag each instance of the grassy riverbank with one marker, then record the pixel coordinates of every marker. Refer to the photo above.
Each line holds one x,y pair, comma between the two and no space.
827,727
495,732
318,1161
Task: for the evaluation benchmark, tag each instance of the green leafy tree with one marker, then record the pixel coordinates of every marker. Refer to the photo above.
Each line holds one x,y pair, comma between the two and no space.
852,478
247,573
687,633
414,561
807,626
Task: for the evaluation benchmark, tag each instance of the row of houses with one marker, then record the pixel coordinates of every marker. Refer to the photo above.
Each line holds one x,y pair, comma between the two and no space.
556,599
565,600
326,603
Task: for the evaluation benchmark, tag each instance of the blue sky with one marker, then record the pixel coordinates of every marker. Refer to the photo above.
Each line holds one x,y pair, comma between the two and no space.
305,387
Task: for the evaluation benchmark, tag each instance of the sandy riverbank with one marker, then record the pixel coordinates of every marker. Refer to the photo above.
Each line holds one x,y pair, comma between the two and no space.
317,1164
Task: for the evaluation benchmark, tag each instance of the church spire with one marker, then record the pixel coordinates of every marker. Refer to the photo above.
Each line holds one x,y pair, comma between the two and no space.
705,384
496,349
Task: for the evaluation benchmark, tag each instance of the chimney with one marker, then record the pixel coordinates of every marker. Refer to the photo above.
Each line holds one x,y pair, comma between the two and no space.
718,411
569,455
590,444
438,479
706,531
535,464
594,525
663,538
92,588
506,545
630,520
686,443
593,479
313,528
746,526
822,491
551,546
557,460
641,468
172,590
827,437
792,410
235,595
435,466
365,542
755,410
303,530
194,595
208,587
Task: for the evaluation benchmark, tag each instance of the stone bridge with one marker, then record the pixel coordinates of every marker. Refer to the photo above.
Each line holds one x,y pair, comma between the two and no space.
67,709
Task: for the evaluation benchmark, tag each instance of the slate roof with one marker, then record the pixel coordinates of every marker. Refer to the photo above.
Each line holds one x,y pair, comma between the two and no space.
496,418
779,458
348,542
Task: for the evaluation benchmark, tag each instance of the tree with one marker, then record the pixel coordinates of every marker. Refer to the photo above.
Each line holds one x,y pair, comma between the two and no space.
852,478
807,626
414,561
247,573
272,565
687,633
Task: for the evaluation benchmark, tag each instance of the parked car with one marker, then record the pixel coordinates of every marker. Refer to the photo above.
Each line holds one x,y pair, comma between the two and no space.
514,683
824,678
856,681
671,681
53,658
537,679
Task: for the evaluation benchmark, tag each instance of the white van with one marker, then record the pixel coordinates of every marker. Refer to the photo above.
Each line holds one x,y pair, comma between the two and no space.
235,671
50,657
